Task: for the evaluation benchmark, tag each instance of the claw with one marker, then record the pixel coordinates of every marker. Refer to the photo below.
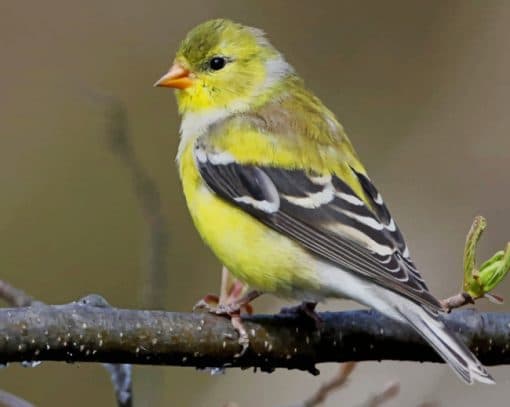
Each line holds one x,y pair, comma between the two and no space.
211,303
243,340
208,303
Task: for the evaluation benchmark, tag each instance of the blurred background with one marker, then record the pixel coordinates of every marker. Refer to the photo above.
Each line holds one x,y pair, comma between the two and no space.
422,88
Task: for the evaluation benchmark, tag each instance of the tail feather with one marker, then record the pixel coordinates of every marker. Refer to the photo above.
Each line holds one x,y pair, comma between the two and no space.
424,320
452,350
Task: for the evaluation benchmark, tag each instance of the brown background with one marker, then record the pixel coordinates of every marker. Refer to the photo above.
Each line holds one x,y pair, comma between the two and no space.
422,87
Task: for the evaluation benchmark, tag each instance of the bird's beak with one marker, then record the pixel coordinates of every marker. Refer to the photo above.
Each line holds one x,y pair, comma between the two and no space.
177,77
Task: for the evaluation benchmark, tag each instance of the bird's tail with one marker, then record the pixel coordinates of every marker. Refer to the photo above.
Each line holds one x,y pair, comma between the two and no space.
451,349
424,320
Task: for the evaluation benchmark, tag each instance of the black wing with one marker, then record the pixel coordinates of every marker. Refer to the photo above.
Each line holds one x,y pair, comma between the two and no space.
323,214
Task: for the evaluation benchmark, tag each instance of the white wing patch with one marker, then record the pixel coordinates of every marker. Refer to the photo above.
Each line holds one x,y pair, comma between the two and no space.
271,204
361,238
221,158
203,156
321,180
350,198
266,206
391,226
314,200
406,253
365,220
378,199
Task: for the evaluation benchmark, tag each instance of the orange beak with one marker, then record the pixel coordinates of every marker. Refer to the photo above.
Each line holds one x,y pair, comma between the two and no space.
177,77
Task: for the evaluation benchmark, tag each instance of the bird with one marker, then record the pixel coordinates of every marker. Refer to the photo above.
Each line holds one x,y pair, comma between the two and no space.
276,190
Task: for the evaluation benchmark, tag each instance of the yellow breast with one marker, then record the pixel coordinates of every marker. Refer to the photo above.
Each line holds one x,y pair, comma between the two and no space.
254,253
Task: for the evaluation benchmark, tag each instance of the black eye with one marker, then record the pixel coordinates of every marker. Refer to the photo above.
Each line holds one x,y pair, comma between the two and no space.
217,63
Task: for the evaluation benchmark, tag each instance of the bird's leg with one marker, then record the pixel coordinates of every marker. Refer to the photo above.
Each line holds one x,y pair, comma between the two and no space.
305,309
211,301
234,298
228,308
208,303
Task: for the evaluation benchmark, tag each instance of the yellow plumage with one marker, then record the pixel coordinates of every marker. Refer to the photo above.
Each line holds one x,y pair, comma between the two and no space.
234,237
277,192
284,266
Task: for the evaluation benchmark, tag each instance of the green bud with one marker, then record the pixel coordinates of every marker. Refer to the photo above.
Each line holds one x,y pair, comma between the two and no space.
479,282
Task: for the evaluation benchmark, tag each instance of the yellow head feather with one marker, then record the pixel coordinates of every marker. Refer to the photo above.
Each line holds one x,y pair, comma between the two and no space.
250,65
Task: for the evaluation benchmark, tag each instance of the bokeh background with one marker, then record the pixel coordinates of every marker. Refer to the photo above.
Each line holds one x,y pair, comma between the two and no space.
422,87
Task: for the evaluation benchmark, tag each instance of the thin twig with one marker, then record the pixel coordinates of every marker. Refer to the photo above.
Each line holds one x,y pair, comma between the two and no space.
121,376
333,385
14,296
390,391
457,301
148,196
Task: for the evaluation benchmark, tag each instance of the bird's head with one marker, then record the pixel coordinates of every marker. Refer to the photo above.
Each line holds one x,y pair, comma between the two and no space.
224,65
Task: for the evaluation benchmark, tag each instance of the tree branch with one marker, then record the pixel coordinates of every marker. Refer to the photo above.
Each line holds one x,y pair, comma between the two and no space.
119,374
89,331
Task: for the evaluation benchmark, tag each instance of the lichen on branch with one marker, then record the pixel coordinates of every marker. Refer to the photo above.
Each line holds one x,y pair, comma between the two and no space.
88,331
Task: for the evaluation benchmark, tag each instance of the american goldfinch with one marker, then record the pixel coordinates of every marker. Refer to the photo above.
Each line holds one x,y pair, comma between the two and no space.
278,193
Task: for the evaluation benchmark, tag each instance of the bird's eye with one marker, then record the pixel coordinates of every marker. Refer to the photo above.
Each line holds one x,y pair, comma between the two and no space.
217,63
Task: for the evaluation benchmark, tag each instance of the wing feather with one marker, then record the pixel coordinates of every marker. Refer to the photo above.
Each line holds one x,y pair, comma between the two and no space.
323,214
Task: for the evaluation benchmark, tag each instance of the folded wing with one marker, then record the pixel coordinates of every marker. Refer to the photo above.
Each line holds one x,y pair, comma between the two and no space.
323,214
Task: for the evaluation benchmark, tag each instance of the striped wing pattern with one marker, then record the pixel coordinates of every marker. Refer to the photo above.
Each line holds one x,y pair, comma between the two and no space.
323,214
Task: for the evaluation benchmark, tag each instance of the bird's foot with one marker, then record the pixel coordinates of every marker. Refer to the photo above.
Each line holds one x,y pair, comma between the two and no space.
243,340
211,303
305,309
